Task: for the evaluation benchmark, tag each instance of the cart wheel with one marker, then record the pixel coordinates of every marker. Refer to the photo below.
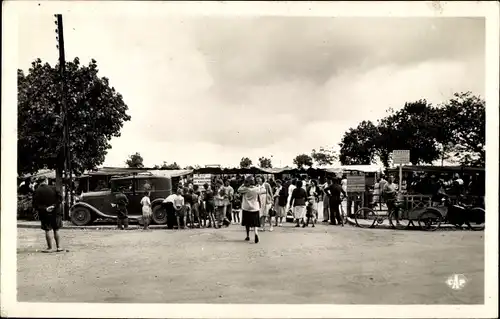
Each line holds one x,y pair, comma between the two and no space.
415,212
476,219
403,220
365,217
429,220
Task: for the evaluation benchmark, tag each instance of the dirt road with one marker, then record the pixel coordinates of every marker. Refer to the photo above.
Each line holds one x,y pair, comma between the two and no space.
326,264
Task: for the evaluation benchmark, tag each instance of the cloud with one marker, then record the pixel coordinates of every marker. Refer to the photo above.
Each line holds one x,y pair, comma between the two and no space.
225,87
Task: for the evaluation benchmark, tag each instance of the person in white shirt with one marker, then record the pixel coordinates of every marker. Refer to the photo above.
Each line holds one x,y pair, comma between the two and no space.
168,205
180,212
250,207
266,202
290,191
146,210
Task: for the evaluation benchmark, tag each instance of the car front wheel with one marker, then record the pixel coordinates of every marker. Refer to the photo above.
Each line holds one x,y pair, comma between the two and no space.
81,216
159,215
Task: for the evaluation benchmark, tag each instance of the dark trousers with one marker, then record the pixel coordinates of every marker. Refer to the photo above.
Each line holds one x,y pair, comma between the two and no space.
229,210
391,205
122,222
171,219
335,211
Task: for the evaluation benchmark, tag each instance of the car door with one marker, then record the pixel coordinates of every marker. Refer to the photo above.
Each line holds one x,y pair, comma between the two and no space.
134,197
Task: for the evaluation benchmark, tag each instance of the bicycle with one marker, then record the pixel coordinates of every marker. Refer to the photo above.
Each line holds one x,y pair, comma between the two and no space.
399,217
457,215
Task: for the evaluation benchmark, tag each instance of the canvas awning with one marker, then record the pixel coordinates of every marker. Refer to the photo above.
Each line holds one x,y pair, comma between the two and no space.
171,173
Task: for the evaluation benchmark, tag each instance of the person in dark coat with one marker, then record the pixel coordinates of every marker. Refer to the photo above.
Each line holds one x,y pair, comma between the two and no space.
48,202
335,192
121,203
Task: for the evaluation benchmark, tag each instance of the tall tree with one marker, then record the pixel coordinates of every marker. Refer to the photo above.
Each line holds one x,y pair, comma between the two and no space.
265,162
324,156
415,127
465,119
358,146
96,113
135,161
245,162
303,160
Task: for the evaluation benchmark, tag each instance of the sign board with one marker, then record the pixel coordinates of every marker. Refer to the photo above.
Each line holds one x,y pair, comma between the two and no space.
356,182
200,179
401,157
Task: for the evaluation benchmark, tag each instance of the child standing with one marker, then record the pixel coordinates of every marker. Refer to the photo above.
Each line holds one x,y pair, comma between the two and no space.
236,208
146,210
311,214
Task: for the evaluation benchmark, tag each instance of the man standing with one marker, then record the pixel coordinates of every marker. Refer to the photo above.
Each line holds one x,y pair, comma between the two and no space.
121,203
390,189
326,201
168,205
335,192
48,201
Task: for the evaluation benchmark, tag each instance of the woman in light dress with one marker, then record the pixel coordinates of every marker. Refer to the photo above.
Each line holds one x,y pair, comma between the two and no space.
313,192
291,187
299,202
266,202
146,210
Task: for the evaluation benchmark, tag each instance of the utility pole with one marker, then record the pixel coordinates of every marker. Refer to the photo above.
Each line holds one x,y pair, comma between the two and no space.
67,176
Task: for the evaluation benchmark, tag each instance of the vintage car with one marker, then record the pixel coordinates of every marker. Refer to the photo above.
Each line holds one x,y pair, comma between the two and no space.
98,205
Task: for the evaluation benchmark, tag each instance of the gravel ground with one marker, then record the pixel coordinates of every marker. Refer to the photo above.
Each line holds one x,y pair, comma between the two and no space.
326,264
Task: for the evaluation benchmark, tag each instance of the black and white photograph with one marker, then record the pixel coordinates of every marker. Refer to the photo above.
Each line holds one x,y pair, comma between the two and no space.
250,160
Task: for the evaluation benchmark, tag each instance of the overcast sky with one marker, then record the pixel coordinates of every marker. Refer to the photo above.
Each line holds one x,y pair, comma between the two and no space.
212,90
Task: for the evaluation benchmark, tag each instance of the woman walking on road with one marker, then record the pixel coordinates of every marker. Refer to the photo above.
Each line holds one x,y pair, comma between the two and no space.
298,202
250,207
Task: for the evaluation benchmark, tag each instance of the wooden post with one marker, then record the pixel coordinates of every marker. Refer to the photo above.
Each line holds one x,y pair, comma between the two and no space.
400,178
67,157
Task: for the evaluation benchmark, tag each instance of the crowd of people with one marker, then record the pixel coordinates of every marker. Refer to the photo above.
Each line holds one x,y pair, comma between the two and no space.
255,202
